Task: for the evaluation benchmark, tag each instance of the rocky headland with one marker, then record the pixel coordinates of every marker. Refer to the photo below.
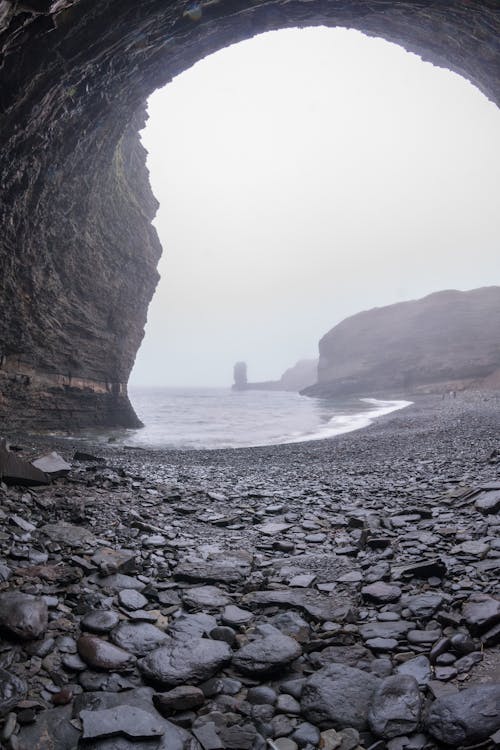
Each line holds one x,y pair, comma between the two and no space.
340,594
446,341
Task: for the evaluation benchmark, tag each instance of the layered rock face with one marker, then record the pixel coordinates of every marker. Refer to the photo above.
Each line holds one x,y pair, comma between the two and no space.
77,250
445,340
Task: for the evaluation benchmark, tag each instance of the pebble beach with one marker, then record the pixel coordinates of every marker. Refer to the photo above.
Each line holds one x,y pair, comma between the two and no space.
341,593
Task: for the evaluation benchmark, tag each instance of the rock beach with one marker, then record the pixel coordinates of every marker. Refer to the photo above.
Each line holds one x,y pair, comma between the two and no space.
225,638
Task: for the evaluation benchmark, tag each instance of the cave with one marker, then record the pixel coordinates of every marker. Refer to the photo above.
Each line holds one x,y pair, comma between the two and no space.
78,251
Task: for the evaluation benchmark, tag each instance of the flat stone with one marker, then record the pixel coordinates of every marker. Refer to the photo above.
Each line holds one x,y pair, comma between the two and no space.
100,621
118,581
338,695
100,654
138,637
238,737
266,654
488,501
381,592
235,616
272,528
235,567
303,580
423,606
197,625
396,707
473,547
319,606
481,613
127,720
182,698
382,644
23,615
180,662
205,597
12,690
115,560
52,464
132,599
67,533
395,629
16,471
423,637
467,717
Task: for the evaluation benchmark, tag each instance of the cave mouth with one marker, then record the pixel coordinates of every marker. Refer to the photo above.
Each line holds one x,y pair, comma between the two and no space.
78,251
304,175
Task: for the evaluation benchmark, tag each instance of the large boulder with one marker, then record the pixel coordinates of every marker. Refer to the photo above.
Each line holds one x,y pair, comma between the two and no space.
338,696
396,707
469,716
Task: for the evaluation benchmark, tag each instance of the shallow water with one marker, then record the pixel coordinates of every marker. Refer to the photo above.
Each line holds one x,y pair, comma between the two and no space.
222,418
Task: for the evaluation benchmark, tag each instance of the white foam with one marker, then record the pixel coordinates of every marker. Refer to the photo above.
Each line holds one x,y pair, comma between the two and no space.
342,423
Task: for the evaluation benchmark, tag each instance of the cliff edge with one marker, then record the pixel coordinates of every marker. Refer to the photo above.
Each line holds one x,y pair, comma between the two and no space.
447,340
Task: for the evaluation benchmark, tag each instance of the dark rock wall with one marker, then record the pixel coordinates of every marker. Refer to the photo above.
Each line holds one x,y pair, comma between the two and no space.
445,340
78,254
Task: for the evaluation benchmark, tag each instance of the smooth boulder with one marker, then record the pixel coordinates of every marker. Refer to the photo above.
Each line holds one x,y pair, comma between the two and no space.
468,716
180,662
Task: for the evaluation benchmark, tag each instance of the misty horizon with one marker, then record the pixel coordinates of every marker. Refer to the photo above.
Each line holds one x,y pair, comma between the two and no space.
304,176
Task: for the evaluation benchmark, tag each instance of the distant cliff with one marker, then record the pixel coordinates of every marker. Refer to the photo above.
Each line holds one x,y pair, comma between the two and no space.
296,378
449,339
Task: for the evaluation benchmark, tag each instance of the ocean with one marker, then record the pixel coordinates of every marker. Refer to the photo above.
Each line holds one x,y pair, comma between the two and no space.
187,418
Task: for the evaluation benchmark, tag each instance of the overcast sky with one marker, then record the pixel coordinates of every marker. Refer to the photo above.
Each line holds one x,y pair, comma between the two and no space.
303,176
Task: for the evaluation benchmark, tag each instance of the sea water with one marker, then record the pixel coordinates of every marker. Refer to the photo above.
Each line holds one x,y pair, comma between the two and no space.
189,418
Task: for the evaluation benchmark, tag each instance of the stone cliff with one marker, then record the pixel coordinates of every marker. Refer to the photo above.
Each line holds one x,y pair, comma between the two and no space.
446,340
78,254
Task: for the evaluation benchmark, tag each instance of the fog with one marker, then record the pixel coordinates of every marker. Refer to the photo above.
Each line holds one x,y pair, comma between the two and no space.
303,176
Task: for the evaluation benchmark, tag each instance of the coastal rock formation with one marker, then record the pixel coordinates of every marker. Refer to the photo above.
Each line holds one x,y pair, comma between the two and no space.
296,378
444,341
77,250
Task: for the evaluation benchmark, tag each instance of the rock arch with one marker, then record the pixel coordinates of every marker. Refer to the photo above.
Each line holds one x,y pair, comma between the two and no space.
78,254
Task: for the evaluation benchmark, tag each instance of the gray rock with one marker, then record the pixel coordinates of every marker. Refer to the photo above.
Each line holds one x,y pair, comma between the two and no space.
313,603
306,734
396,707
186,627
138,637
52,464
381,592
481,613
52,730
23,615
12,690
235,616
469,716
127,720
267,654
100,621
488,501
233,567
67,533
206,597
423,606
394,629
132,599
182,698
338,696
180,662
419,668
